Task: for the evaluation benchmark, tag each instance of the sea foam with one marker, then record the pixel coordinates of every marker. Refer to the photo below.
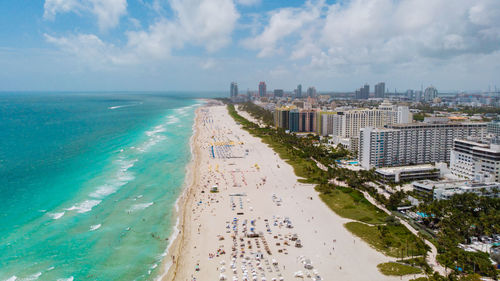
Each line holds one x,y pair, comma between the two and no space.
56,216
121,178
95,227
137,207
32,277
84,206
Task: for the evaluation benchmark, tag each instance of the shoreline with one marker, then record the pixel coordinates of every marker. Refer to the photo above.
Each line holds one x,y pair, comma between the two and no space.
168,265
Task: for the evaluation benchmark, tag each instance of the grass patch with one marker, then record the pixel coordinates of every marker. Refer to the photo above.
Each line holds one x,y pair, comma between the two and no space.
351,204
303,168
392,240
397,269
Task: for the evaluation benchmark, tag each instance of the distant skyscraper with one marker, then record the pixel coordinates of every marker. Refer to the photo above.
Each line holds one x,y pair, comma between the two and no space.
363,93
357,94
380,90
233,91
278,93
262,89
418,95
299,90
311,92
410,94
430,93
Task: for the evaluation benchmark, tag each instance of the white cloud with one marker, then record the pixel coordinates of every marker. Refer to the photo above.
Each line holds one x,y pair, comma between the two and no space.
377,33
208,64
207,23
283,23
53,7
89,48
107,12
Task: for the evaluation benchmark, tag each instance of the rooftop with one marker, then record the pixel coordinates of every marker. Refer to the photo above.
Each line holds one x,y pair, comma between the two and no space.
420,124
413,168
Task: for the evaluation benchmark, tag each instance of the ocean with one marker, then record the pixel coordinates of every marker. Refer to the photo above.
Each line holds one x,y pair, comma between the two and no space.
89,181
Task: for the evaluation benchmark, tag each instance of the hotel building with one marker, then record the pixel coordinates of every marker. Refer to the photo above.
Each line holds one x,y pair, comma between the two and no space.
412,144
476,160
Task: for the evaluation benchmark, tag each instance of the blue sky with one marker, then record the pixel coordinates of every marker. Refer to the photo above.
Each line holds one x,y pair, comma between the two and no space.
80,45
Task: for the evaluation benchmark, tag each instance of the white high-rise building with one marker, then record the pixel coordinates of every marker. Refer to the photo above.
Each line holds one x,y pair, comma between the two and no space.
403,115
475,160
412,144
344,125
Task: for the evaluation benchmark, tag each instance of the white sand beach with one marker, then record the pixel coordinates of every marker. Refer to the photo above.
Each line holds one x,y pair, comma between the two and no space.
249,229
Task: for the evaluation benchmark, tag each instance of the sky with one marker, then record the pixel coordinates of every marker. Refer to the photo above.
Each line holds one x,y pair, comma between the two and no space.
203,45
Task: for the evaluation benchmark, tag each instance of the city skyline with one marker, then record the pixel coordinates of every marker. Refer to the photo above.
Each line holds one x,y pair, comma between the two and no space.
82,45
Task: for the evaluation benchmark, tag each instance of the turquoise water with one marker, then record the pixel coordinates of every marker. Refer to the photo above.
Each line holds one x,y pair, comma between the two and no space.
88,183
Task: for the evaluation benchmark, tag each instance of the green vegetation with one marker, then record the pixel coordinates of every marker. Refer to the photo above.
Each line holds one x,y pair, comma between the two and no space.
351,204
468,262
469,110
419,262
392,240
456,220
397,269
419,116
258,112
453,277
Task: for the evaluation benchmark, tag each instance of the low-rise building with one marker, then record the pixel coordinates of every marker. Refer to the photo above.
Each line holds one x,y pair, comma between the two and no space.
409,173
444,190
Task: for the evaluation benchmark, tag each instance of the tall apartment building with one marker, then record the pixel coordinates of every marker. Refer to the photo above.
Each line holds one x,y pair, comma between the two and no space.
328,122
475,160
380,90
353,120
363,93
262,89
344,126
396,114
494,127
282,117
299,90
233,90
311,92
411,144
430,94
278,93
295,120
